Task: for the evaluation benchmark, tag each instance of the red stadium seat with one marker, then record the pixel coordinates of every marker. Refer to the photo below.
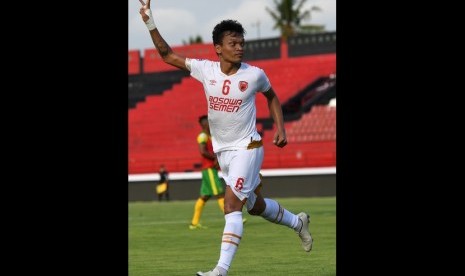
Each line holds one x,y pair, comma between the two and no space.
163,128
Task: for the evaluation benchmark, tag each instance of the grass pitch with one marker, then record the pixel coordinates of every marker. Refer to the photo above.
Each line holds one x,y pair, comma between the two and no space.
160,242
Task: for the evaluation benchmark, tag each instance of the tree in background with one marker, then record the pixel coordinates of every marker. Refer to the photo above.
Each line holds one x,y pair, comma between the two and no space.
193,40
288,16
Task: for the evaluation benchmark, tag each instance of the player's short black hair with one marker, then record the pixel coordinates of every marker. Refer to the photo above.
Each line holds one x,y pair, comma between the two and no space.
228,25
203,117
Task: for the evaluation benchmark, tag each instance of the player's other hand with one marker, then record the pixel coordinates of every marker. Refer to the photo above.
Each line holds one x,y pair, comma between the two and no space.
280,139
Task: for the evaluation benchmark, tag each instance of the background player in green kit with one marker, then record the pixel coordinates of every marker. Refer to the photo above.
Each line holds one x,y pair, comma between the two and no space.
211,183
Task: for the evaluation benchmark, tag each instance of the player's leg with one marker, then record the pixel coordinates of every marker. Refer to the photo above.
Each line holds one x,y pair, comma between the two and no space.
232,234
217,188
205,194
272,211
198,210
220,199
240,184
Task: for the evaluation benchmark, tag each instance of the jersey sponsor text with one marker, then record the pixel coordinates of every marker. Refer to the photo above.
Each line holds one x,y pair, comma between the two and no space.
224,104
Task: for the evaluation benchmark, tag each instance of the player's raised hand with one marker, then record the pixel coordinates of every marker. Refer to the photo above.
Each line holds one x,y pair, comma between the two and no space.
146,14
146,5
142,10
280,139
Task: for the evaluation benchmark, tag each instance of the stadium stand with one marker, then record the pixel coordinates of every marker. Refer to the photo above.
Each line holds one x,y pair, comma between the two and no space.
165,103
142,85
134,64
312,141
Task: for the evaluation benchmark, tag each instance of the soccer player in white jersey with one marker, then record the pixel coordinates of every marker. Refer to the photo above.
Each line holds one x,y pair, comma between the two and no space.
230,88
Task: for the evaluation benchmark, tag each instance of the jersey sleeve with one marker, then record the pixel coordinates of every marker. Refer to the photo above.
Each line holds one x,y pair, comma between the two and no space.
196,67
202,138
263,81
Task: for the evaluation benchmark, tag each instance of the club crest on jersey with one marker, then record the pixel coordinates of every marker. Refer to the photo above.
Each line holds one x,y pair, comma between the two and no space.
243,86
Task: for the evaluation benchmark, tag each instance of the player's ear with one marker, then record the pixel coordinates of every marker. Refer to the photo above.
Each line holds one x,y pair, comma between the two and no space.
218,49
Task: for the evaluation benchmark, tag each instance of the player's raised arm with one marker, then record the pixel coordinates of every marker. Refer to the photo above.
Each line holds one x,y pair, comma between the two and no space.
163,48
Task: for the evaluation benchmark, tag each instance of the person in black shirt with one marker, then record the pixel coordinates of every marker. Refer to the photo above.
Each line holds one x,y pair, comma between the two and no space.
163,184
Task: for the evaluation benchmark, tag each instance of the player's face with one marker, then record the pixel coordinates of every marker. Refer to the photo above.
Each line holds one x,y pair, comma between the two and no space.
232,48
205,125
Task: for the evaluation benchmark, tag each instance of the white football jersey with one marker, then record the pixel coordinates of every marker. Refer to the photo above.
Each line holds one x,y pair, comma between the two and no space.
230,102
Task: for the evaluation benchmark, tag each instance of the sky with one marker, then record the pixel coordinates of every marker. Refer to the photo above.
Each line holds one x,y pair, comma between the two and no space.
178,20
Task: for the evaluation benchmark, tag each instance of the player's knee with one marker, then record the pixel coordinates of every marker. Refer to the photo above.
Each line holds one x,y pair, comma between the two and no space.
258,207
254,212
231,207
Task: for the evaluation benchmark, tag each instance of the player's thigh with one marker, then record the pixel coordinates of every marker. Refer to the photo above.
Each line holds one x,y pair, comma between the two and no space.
243,176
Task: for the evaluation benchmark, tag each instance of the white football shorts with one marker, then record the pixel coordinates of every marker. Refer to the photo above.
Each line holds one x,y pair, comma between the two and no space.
240,170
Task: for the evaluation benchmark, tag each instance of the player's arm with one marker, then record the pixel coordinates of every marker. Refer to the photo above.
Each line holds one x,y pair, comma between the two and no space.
164,50
276,113
205,153
210,155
